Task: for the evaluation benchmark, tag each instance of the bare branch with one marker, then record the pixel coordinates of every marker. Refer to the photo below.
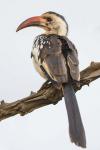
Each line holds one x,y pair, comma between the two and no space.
47,94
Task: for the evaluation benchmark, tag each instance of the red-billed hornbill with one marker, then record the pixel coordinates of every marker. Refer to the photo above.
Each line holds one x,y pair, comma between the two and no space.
55,58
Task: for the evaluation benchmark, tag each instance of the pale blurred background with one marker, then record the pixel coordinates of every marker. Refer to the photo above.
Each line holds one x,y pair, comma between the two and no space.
46,128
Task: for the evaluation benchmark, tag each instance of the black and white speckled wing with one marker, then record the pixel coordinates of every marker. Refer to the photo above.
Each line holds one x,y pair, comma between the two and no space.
48,51
50,57
36,49
72,61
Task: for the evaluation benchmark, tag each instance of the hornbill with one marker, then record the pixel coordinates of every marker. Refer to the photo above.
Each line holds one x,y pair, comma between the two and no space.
55,58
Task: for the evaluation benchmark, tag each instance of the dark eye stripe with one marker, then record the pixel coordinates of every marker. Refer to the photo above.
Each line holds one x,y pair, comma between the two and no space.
49,19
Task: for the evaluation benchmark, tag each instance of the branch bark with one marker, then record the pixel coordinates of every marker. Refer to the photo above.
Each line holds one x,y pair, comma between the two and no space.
47,94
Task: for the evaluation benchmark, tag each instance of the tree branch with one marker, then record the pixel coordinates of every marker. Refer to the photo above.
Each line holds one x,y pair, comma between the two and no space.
47,94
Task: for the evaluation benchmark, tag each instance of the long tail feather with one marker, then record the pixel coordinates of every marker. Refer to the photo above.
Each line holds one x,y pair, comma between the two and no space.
76,129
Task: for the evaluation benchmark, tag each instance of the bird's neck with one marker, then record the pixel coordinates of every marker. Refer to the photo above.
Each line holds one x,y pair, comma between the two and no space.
56,32
61,31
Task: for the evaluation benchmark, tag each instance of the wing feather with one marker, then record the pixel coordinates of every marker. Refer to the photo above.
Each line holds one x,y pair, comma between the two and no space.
53,60
73,62
56,57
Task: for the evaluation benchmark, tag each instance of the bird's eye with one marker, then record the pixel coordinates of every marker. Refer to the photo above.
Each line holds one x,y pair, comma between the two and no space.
49,19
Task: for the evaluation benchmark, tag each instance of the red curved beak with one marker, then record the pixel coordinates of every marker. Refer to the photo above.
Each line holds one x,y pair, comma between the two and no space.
33,21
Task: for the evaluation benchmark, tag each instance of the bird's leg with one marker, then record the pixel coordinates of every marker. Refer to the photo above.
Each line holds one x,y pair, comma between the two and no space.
77,83
44,85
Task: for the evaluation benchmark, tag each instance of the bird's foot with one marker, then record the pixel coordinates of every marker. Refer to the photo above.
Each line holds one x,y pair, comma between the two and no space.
77,83
44,84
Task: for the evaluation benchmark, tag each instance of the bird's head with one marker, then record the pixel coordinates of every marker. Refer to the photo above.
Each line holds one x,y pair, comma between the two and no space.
52,22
